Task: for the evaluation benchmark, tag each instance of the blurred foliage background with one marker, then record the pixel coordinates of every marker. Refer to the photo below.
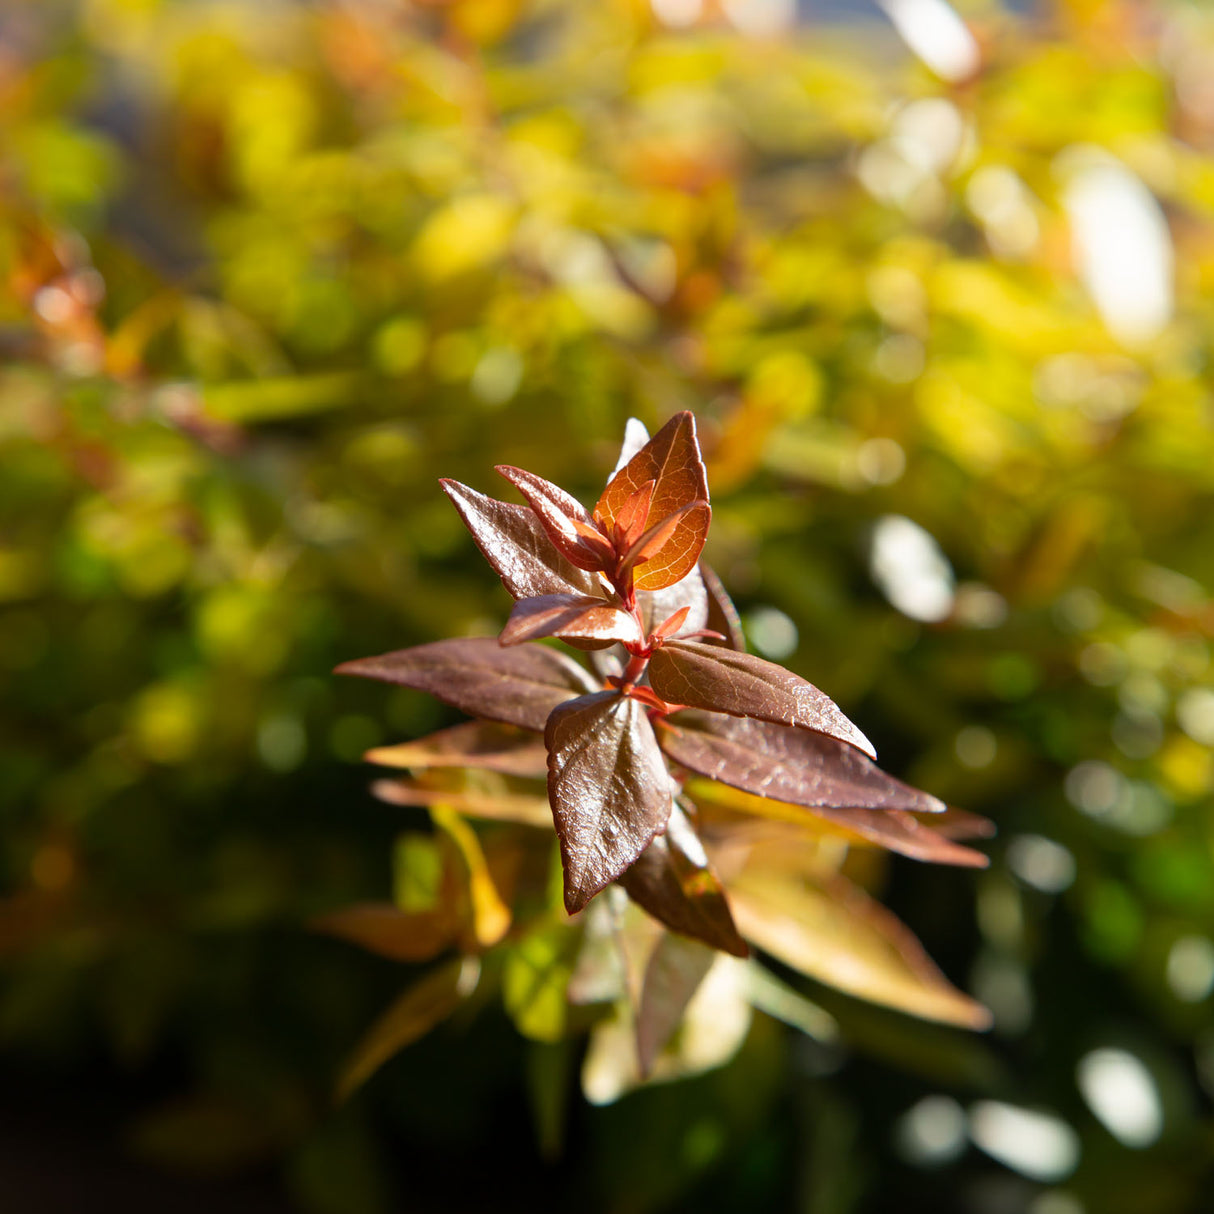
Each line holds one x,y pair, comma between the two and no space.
937,284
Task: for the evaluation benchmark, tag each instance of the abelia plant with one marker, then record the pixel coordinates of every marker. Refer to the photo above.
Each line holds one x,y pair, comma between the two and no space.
697,778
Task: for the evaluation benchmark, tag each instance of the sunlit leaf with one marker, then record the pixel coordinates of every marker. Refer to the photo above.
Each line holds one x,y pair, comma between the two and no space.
489,913
571,616
786,764
382,928
836,933
414,1014
672,460
676,968
495,807
722,680
609,788
518,686
560,515
513,540
658,605
481,744
535,979
673,881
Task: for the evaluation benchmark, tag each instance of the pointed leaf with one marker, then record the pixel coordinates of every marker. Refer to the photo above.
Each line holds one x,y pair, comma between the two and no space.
786,764
673,881
572,616
675,970
960,824
480,744
413,1015
475,674
494,807
837,934
381,928
672,460
721,680
609,788
560,514
721,616
792,827
490,916
513,540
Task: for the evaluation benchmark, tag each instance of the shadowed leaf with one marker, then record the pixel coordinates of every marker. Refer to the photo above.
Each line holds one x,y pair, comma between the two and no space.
475,674
413,1015
721,680
673,881
381,928
494,807
479,744
837,934
672,460
513,540
961,824
572,616
721,615
676,968
609,788
658,605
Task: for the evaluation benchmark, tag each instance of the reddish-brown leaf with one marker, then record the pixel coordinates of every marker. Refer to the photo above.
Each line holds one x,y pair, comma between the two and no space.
676,968
722,680
961,824
559,514
473,744
608,786
514,541
674,882
518,686
572,616
381,928
671,459
835,933
786,763
721,615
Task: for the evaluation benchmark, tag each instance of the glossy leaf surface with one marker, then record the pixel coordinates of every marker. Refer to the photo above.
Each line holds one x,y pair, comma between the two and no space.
786,764
721,680
674,882
837,934
559,514
608,786
476,675
513,540
572,617
671,459
480,744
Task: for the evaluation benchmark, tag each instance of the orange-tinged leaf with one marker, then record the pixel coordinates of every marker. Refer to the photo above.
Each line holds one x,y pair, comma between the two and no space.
413,1015
518,686
673,881
514,541
388,931
721,680
480,744
658,605
608,786
563,517
494,807
571,616
671,459
835,933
